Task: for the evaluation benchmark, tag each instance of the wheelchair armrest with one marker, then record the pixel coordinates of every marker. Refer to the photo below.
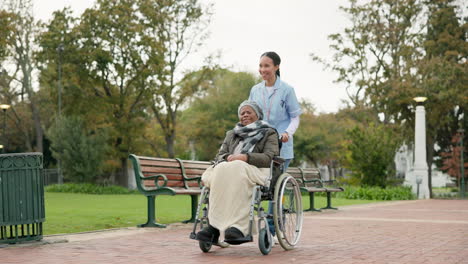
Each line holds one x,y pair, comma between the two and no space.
278,159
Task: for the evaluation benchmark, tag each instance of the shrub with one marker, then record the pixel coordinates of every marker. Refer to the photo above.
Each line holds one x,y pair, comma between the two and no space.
80,149
372,151
376,193
88,189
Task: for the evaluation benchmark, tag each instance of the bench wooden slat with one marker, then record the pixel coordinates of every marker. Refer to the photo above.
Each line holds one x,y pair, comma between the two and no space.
178,184
164,170
314,189
172,162
334,189
158,163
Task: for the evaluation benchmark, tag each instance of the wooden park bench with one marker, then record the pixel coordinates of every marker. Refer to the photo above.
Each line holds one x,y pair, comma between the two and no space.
311,182
160,176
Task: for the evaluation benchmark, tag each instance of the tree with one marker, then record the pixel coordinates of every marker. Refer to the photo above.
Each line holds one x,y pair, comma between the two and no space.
179,34
396,51
118,58
6,29
205,122
372,151
310,145
322,138
443,75
105,70
376,50
451,160
19,78
81,151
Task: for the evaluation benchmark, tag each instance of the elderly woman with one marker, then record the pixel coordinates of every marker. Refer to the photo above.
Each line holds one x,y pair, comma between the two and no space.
247,152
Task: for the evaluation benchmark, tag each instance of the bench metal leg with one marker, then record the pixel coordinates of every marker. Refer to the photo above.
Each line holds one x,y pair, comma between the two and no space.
329,202
194,199
311,203
151,214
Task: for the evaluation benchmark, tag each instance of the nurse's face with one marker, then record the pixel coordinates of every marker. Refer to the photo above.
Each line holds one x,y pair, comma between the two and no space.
247,115
267,68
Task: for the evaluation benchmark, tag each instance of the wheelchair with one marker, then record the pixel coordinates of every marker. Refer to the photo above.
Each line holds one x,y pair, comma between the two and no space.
284,193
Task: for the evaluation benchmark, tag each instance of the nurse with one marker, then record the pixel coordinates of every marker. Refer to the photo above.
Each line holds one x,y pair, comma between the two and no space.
280,108
278,102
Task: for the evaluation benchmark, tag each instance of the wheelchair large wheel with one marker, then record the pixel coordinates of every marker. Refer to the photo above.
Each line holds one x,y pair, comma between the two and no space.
287,211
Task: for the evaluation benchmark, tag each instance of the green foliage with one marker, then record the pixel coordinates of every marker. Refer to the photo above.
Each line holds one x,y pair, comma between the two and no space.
393,51
6,30
374,50
376,193
120,62
183,30
81,151
208,118
372,151
446,74
447,192
87,188
321,138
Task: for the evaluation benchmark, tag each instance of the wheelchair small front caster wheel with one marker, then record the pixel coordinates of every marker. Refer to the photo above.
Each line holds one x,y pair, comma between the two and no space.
265,243
205,246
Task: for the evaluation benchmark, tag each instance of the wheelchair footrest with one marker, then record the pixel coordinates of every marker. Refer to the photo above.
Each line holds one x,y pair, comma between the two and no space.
238,241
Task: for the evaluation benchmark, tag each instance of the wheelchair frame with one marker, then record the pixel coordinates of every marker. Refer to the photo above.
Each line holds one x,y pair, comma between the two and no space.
287,215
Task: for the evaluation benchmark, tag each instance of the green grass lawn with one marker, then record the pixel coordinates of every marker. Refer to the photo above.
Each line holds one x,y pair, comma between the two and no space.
71,213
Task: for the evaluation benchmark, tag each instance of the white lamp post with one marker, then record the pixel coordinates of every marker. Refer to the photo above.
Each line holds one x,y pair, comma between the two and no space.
421,186
4,108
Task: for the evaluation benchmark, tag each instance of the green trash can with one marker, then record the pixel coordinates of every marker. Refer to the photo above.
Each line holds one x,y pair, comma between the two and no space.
22,209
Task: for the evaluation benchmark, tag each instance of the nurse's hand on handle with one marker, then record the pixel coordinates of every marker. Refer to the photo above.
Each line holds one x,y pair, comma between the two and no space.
284,137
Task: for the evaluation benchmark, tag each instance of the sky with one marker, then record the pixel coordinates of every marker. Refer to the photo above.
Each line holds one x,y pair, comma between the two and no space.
241,30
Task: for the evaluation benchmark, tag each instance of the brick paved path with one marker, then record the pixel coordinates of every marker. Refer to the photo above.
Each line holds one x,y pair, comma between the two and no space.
425,231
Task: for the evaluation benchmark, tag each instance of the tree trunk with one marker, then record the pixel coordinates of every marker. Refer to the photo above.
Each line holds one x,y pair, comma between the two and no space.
26,69
329,166
37,127
170,145
122,177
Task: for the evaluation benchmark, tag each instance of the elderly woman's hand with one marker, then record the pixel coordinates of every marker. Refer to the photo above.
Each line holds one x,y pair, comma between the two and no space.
242,157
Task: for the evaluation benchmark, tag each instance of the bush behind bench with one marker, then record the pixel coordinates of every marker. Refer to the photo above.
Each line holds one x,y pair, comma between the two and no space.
350,192
374,193
88,188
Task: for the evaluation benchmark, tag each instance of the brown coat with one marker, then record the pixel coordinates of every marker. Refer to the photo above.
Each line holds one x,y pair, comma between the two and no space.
261,155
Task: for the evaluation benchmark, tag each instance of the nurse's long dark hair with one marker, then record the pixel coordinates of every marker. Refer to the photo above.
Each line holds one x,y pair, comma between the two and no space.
275,58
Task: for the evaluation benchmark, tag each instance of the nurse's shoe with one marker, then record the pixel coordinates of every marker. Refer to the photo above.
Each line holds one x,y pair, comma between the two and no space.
275,240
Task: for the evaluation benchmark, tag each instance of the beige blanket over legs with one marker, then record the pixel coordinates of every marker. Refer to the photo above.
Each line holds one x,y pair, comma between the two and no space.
231,189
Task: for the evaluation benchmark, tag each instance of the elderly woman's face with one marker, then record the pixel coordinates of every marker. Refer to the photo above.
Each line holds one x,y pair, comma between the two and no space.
247,115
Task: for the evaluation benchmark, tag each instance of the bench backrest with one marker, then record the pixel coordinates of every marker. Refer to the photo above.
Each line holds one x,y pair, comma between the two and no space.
308,177
175,170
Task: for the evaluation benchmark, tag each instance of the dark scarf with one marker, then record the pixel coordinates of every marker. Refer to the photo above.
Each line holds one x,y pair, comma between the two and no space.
251,134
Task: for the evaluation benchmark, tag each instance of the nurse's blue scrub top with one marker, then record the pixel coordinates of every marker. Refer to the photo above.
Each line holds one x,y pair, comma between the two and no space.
278,109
